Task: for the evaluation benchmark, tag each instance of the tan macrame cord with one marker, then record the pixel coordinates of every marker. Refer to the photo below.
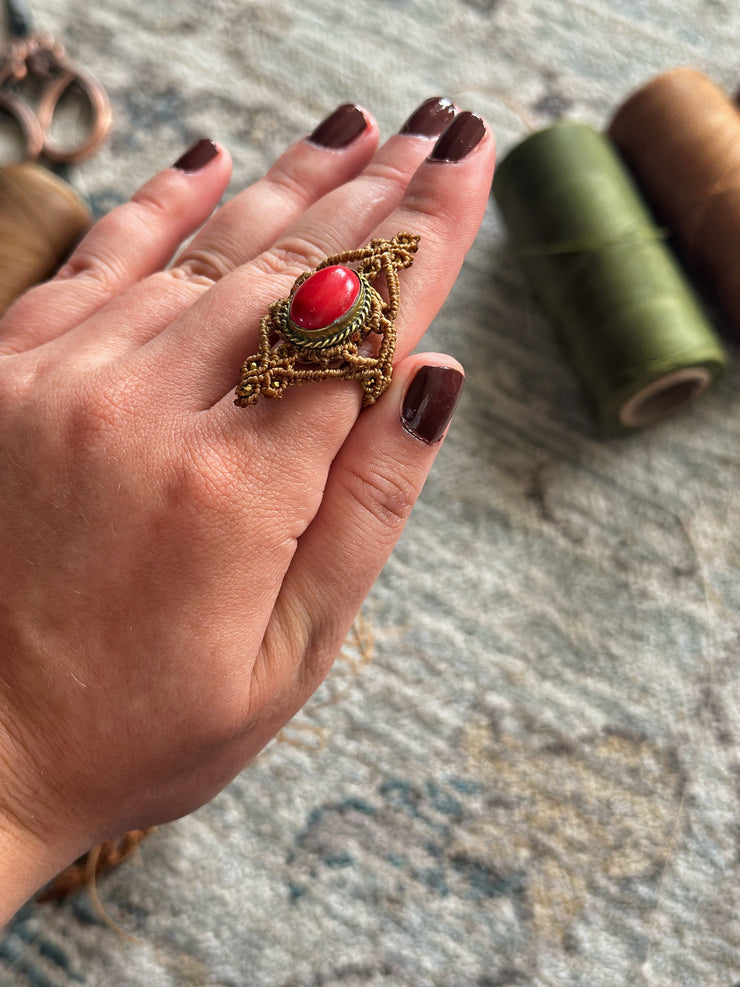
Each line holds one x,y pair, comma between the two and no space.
283,358
99,860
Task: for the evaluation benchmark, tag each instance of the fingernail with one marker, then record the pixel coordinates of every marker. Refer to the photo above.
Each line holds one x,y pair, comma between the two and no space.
431,118
430,402
340,128
197,156
462,135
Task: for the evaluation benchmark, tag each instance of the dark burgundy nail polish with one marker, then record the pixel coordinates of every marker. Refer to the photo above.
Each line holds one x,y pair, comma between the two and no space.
462,135
339,129
430,402
431,118
197,156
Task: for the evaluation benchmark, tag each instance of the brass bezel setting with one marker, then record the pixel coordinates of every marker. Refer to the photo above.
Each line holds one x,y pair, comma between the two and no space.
337,332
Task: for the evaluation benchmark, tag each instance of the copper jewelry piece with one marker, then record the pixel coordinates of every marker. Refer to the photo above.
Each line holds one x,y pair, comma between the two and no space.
318,331
39,63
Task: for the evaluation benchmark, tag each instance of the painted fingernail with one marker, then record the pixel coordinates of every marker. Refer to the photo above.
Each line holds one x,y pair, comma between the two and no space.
462,135
430,402
431,118
197,156
340,128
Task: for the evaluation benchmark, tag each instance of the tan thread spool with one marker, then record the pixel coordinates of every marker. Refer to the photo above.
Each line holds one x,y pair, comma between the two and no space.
41,219
680,136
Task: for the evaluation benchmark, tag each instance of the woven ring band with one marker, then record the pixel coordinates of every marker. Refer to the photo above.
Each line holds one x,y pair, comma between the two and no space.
317,332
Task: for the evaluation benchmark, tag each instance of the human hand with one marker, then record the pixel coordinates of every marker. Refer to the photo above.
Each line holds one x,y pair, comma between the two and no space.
178,574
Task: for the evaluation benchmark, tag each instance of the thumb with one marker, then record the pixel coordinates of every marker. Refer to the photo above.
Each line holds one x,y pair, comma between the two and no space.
372,486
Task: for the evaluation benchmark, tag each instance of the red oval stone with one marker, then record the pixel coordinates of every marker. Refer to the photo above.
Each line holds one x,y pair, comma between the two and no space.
325,297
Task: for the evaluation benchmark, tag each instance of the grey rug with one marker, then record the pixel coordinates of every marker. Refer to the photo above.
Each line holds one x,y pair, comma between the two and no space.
536,780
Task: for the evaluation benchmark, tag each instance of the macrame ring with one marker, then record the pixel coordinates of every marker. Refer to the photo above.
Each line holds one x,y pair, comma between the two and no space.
319,331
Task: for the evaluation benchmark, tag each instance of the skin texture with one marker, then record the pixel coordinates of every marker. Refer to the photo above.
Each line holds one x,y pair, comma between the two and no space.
178,573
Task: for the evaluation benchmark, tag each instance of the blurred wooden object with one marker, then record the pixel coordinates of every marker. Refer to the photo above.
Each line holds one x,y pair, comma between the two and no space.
42,219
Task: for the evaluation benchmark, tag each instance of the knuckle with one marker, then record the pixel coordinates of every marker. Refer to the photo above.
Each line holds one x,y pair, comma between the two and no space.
151,204
203,479
386,173
89,429
92,406
204,266
384,497
440,215
77,264
290,257
297,651
29,314
97,418
286,183
99,258
17,389
96,268
169,292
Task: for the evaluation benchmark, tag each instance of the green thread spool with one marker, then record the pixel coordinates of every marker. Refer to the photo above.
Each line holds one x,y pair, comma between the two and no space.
632,324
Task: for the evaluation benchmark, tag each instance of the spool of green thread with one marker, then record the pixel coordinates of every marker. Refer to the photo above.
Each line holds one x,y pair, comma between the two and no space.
632,324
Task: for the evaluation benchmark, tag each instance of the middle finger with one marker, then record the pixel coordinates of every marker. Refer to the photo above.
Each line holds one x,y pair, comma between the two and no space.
231,309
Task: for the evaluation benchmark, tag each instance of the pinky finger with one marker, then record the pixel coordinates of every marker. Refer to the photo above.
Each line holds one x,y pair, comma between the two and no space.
372,486
132,241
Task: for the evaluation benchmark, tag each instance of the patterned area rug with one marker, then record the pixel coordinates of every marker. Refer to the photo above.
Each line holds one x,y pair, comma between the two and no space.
536,779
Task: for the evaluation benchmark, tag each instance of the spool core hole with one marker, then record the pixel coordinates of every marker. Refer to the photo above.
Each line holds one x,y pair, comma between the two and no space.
665,396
